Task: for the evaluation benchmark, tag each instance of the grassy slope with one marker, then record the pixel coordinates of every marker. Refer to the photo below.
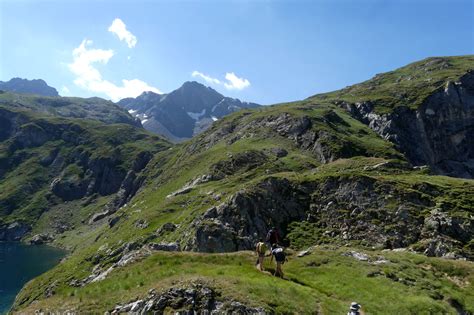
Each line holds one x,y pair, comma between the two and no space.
173,168
407,86
24,186
233,273
325,281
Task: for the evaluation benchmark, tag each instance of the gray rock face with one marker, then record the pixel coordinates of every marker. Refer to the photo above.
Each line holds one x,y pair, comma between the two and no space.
39,239
440,133
343,209
194,299
238,223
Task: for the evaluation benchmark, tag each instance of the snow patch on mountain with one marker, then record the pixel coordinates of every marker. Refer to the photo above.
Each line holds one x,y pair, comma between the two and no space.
196,116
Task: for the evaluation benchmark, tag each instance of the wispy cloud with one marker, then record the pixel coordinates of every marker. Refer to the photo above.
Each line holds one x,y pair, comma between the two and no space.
233,82
119,28
89,77
206,78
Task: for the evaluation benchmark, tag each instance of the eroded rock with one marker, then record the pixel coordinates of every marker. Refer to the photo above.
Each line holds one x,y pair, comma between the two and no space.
191,299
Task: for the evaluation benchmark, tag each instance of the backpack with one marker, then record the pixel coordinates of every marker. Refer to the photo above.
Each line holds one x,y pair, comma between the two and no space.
261,248
279,254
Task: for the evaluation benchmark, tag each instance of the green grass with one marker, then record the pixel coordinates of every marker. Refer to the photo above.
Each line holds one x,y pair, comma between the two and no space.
407,86
325,280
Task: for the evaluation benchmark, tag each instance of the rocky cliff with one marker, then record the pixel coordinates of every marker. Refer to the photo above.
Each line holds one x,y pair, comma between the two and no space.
436,127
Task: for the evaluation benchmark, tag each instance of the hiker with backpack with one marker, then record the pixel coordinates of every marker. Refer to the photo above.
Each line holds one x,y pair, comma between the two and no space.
273,237
260,249
280,258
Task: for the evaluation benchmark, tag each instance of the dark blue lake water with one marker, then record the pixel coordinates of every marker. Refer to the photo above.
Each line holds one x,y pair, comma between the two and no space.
20,263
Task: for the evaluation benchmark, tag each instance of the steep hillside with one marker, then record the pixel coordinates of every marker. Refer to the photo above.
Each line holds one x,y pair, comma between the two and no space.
367,214
56,172
425,108
184,112
24,86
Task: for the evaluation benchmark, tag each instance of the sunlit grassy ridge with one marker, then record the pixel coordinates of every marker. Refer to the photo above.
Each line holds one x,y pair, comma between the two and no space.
408,86
325,281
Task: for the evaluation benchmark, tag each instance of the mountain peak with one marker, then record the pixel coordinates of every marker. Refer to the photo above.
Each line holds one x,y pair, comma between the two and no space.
194,85
184,112
25,86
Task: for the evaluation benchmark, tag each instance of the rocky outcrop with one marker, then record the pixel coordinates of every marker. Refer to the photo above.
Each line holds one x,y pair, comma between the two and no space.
306,133
239,162
238,223
343,209
107,260
41,238
14,231
440,133
192,299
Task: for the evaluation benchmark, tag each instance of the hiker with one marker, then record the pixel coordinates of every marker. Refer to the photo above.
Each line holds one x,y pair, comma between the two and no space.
273,237
354,310
280,258
260,249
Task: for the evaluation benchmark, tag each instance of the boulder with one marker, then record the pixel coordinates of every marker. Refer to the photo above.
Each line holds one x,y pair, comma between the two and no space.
39,239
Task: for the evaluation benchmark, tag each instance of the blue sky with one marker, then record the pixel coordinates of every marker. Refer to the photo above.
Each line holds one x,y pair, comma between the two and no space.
270,51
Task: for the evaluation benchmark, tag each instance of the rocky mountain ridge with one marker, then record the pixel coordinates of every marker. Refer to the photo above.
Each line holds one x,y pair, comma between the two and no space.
184,112
25,86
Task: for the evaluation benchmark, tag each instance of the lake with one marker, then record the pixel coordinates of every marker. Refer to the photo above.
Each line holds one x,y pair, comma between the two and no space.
19,263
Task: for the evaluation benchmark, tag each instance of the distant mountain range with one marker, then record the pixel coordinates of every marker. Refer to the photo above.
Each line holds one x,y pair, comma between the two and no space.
184,112
177,116
24,86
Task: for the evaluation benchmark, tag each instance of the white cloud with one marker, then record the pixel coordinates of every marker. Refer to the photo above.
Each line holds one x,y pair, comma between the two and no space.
88,76
119,28
206,78
233,81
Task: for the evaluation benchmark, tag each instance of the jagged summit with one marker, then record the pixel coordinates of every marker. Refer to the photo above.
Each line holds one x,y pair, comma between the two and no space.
25,86
184,112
